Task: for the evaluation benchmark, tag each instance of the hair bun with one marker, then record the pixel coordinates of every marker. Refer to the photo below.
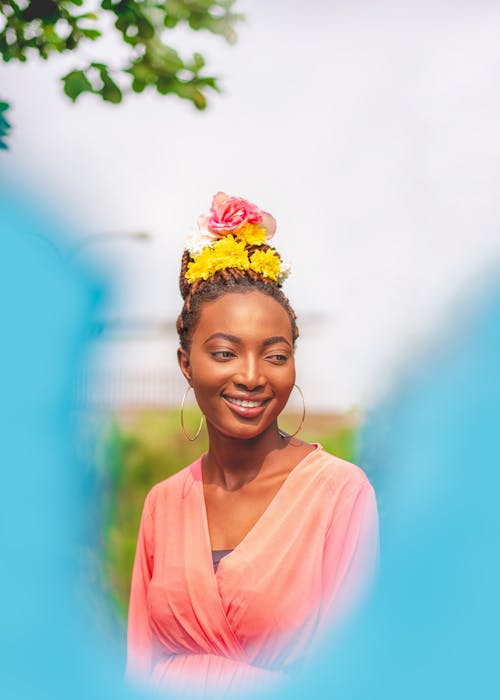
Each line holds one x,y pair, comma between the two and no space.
232,237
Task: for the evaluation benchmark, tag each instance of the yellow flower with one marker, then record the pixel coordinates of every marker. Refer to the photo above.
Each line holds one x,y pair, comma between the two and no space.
225,252
252,234
266,264
230,253
201,267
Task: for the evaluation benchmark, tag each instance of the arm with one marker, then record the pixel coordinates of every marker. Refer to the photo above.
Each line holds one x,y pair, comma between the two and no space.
139,633
350,557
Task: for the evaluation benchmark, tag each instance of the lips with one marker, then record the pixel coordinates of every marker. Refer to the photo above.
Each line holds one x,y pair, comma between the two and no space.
247,403
246,407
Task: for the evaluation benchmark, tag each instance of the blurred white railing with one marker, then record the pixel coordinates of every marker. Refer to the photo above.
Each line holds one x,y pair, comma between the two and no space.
120,389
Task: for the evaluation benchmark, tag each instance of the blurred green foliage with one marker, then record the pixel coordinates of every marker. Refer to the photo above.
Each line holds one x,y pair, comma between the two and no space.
4,125
43,28
141,450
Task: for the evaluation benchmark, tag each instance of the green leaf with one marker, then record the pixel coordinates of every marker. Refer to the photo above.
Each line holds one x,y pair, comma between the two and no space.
197,63
176,8
197,21
170,59
72,41
165,84
47,10
91,34
111,93
138,85
170,21
190,92
4,125
146,29
143,72
75,83
209,81
199,99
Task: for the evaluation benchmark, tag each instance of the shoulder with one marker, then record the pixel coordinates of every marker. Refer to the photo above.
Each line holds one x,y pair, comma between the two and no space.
336,474
344,491
173,487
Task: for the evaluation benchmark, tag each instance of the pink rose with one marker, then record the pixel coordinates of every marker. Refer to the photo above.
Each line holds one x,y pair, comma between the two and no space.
229,213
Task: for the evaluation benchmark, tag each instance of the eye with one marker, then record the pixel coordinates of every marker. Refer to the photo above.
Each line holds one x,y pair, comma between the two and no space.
277,358
222,354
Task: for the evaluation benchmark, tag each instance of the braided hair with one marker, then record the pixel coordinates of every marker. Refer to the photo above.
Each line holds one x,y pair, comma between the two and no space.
225,281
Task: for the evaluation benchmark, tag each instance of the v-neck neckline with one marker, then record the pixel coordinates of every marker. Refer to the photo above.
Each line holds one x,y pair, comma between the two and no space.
258,524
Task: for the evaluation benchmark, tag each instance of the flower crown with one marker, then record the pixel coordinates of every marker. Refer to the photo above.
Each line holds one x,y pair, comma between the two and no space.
224,235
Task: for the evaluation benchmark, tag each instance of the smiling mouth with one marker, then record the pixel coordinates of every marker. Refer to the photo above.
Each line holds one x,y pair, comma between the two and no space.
246,403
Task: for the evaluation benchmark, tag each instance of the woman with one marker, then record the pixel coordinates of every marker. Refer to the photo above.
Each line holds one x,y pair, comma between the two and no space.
244,556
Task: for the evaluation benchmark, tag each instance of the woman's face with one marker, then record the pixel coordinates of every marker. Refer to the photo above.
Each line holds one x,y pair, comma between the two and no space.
241,363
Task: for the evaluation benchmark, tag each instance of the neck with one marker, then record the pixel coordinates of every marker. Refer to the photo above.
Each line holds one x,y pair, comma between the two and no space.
232,462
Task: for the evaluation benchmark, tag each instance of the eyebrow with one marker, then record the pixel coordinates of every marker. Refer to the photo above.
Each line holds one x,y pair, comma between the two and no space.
225,336
237,341
276,339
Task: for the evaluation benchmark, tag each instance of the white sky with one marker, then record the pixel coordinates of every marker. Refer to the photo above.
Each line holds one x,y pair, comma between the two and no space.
369,130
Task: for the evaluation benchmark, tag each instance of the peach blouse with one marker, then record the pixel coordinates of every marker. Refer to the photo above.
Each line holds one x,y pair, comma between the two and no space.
303,563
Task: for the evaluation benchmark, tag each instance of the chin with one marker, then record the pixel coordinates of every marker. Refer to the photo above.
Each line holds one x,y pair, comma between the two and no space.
243,432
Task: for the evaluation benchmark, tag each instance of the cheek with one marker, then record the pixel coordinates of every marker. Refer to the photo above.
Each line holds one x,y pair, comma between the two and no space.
284,385
290,378
287,391
207,382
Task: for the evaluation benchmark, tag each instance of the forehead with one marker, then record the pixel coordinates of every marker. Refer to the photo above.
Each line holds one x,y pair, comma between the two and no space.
252,315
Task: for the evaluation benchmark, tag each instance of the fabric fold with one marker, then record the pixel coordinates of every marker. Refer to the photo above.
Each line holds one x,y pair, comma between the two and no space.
310,554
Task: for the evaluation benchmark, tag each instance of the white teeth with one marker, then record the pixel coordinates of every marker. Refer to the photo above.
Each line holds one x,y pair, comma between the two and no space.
244,402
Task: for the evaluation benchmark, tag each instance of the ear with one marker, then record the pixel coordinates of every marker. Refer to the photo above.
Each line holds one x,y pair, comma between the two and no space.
183,360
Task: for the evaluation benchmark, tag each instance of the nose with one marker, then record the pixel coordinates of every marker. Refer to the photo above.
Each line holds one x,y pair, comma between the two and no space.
249,374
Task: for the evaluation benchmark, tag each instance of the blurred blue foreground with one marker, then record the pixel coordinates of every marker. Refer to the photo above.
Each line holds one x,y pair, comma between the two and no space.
431,628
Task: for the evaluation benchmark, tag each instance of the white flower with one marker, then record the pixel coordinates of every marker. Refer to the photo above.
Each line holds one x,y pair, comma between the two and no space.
284,272
197,240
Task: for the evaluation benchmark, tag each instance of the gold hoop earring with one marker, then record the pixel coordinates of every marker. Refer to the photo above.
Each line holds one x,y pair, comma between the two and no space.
191,439
303,415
